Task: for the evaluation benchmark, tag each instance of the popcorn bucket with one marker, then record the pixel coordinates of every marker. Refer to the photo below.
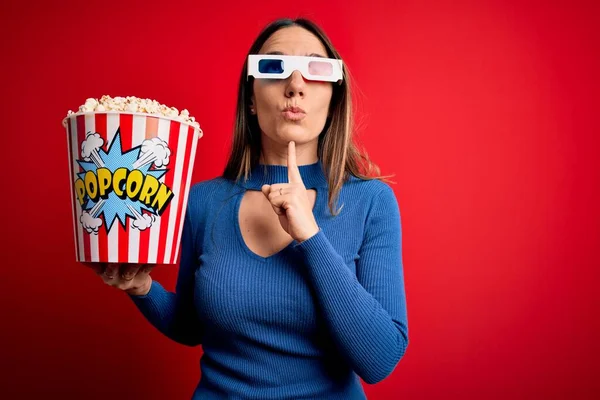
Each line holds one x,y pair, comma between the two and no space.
130,177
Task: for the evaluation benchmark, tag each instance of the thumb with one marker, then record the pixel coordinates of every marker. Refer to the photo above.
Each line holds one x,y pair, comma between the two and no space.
266,189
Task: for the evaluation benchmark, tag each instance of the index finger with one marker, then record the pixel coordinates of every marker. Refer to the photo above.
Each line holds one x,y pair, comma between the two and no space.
293,171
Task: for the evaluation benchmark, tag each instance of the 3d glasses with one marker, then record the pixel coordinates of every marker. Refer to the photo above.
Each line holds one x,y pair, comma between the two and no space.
267,66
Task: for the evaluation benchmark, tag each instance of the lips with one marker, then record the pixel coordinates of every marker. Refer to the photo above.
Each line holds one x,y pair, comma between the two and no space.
294,109
293,116
293,113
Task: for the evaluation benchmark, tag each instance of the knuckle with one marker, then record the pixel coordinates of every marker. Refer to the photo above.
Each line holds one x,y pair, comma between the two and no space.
122,285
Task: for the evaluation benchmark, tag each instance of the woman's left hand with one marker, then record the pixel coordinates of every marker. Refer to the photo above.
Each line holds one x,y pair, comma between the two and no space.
291,203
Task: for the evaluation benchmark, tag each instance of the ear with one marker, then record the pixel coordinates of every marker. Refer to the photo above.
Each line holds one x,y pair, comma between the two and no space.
252,105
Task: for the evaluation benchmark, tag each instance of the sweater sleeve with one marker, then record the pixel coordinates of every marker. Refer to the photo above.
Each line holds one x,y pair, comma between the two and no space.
366,312
174,314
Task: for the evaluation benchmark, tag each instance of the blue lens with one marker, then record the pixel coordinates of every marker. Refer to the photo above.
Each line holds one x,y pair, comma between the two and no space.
270,66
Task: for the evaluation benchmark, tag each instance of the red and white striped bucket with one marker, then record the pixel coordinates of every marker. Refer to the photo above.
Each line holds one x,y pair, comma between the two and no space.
130,179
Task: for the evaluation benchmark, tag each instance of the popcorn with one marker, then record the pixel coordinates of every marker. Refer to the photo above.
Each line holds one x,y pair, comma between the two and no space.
173,112
132,107
134,104
90,104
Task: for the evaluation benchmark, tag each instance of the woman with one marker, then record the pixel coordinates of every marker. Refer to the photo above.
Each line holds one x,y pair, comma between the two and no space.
289,295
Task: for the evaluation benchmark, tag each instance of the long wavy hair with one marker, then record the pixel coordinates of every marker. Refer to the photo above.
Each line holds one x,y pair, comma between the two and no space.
337,151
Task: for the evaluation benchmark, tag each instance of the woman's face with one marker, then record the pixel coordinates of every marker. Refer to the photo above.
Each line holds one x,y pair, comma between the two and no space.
272,96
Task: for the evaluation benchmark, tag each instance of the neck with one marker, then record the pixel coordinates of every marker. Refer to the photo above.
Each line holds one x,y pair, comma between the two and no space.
313,176
274,153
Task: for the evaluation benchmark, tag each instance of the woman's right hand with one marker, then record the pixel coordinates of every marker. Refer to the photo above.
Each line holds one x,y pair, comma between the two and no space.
131,278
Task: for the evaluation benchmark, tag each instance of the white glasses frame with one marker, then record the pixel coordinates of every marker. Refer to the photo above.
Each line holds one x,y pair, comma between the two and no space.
292,63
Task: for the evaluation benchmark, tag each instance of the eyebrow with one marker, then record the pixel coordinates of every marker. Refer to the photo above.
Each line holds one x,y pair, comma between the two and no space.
279,53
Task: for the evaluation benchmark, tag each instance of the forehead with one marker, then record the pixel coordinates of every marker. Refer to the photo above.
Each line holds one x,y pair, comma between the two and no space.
294,41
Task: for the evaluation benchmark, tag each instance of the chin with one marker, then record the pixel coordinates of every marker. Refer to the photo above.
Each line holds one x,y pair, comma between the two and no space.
293,133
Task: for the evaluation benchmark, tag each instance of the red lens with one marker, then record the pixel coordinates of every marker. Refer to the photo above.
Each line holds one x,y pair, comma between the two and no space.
321,68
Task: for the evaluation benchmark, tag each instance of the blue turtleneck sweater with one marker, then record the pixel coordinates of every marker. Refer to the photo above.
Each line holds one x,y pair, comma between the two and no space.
304,323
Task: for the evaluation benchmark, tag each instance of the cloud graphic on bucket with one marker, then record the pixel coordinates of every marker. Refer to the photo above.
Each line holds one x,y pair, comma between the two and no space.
155,151
142,222
90,146
117,184
90,223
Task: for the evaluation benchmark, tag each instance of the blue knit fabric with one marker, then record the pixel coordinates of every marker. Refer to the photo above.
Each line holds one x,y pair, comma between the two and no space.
304,323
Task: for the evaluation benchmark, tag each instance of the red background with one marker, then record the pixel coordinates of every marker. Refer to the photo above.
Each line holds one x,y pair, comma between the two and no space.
486,112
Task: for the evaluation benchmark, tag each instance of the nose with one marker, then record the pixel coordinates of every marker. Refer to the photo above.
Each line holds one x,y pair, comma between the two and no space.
296,85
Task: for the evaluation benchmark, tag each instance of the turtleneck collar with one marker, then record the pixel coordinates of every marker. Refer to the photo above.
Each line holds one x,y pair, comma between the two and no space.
313,176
